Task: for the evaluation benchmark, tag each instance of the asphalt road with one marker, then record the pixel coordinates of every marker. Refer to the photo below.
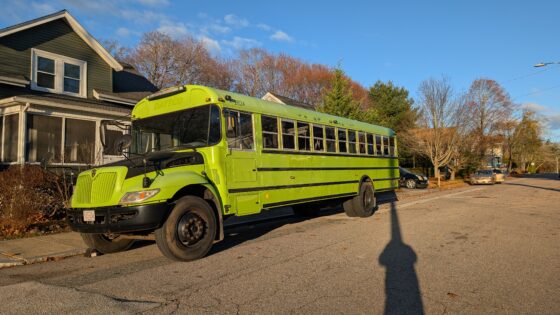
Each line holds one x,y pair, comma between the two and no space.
480,249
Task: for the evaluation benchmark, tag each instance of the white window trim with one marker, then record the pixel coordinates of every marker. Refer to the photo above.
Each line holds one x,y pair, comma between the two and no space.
59,62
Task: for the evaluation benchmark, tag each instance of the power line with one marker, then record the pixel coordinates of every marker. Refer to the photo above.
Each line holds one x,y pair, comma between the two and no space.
537,92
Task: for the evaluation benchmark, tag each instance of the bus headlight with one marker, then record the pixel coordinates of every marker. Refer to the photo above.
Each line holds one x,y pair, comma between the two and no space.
138,196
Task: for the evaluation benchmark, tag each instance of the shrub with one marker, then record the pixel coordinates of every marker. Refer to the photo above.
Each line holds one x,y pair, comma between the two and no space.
30,194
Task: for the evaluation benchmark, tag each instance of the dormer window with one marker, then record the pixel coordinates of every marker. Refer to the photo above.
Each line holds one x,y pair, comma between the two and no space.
58,74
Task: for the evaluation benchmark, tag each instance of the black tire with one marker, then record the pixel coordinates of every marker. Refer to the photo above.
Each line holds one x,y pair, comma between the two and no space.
306,210
106,243
189,231
364,204
410,183
348,207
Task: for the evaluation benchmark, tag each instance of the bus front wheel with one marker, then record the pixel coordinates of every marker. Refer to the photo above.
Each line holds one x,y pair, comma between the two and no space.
189,231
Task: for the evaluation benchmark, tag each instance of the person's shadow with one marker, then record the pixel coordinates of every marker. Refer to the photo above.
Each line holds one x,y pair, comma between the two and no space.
402,291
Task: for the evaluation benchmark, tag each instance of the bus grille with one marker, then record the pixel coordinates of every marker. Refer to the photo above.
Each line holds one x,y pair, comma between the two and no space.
95,190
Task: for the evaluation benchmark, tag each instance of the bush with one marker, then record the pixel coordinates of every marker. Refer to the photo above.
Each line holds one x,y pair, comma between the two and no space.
30,195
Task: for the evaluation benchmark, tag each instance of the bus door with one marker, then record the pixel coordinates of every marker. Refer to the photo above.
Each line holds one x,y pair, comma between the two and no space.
241,164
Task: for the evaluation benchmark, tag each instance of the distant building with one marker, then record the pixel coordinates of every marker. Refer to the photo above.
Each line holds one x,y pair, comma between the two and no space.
57,83
273,97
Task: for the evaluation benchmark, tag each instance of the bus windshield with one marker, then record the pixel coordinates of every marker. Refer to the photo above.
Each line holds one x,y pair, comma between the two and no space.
190,128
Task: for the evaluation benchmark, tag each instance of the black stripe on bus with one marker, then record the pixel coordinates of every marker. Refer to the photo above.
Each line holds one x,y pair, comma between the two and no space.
274,169
327,154
381,179
285,203
238,190
385,189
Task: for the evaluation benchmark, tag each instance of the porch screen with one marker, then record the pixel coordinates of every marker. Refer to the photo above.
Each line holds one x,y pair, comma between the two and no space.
79,144
11,137
44,136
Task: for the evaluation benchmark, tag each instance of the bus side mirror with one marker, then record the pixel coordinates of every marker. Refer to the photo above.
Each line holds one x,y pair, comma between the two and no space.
122,143
102,135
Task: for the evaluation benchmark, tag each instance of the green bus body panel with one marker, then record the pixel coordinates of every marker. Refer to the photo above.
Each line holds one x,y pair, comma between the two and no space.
248,181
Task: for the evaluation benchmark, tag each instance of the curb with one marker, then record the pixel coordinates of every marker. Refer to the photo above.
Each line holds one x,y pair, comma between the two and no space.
7,261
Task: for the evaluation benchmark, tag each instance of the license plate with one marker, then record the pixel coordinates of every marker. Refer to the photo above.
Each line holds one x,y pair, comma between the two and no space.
89,215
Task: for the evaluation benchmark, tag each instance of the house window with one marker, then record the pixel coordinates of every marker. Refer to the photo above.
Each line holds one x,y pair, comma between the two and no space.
11,136
58,74
111,137
44,139
79,141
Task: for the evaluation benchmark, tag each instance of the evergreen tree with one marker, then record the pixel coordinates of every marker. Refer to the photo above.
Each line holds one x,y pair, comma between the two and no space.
393,106
339,100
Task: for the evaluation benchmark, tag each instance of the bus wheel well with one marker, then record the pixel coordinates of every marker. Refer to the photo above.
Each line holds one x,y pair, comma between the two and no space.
206,194
365,179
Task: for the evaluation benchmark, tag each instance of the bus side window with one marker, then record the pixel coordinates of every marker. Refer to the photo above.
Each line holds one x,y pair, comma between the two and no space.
288,135
318,138
352,141
270,132
385,146
378,145
331,139
239,130
303,136
362,142
246,127
392,146
342,147
370,144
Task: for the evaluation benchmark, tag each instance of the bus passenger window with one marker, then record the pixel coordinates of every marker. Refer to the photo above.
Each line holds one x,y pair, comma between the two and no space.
318,138
239,130
331,139
342,141
303,136
378,146
352,141
246,124
288,135
385,146
270,132
392,146
370,144
362,142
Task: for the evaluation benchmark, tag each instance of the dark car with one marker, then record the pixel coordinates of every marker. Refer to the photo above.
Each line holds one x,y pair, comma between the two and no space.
411,180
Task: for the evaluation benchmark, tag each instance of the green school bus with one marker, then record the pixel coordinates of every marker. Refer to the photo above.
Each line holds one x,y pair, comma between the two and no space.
196,156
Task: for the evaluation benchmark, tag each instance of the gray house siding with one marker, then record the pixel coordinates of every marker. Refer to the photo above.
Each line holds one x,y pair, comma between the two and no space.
55,37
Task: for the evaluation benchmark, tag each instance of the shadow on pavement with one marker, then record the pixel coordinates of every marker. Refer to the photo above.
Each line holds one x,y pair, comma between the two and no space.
533,186
266,223
553,176
402,290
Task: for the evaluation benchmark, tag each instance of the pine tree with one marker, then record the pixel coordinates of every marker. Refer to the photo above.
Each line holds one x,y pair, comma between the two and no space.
339,100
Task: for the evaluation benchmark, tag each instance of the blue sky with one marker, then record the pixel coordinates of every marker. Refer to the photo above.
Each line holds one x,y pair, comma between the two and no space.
402,41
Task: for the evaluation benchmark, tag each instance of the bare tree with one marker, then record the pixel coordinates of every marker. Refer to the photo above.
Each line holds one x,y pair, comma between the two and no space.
488,104
440,122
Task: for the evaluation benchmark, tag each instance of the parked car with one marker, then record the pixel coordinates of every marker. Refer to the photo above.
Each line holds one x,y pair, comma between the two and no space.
499,176
483,177
411,180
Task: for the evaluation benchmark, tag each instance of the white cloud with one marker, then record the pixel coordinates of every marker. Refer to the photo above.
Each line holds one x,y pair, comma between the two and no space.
123,32
264,27
173,29
534,107
210,44
143,16
242,43
236,21
281,36
42,8
220,29
154,2
554,121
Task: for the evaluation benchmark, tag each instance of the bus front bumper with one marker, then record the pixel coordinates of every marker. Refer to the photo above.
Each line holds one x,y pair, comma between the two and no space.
119,219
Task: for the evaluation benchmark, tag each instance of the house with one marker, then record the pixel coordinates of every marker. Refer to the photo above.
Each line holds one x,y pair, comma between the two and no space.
273,97
57,84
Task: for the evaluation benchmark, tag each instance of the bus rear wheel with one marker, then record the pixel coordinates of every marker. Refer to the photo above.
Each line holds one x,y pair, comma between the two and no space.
189,231
106,243
364,204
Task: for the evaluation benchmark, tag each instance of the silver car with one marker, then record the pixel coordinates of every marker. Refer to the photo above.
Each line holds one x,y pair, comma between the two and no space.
483,177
